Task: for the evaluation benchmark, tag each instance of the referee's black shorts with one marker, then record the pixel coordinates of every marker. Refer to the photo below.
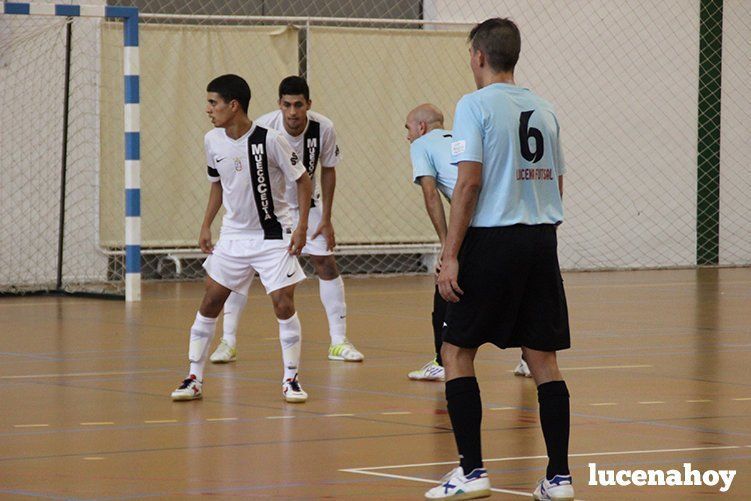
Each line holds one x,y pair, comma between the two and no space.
513,290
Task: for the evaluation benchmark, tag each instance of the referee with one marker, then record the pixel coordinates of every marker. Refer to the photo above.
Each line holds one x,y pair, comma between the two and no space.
500,268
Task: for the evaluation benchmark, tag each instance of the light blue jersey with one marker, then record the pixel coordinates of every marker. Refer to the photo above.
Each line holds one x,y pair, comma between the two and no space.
431,156
514,134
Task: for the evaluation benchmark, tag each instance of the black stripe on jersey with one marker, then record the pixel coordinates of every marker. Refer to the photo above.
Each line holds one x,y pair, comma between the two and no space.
212,172
311,150
447,135
261,184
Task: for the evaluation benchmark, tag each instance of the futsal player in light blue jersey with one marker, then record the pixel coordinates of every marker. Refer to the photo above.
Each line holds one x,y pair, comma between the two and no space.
499,267
430,152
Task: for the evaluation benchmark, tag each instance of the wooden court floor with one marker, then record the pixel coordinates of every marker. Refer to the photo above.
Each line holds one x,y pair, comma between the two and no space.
660,375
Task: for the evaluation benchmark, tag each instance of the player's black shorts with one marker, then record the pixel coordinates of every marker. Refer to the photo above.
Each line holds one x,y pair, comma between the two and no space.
513,290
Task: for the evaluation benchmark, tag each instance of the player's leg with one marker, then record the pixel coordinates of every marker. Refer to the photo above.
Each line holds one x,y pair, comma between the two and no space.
469,480
331,291
280,273
290,337
553,398
433,370
201,334
227,349
543,320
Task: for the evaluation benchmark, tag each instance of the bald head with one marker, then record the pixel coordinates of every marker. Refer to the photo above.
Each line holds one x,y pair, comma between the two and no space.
422,120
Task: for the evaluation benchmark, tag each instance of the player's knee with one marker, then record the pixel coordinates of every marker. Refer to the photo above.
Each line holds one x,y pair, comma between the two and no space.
284,306
325,267
211,306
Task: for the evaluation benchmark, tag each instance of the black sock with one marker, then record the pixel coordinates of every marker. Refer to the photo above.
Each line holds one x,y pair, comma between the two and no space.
465,411
439,315
555,420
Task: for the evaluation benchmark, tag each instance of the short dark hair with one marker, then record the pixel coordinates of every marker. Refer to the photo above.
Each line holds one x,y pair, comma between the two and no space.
500,40
294,85
231,87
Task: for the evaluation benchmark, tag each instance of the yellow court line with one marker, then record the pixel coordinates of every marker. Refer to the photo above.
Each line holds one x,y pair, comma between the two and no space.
93,458
648,402
601,367
30,425
744,398
160,421
97,423
700,400
222,419
501,408
338,415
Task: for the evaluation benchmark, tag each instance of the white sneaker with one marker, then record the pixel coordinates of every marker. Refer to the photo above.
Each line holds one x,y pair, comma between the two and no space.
454,485
190,389
558,489
224,353
429,372
346,352
293,392
522,369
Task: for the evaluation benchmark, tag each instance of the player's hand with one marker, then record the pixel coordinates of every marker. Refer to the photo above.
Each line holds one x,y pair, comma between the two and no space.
326,229
297,241
204,240
448,284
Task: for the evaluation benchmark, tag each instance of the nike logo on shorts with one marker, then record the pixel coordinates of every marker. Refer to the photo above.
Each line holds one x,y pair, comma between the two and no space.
290,274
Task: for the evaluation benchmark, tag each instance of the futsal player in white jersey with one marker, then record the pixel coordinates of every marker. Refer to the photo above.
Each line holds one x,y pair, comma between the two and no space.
249,167
430,153
313,138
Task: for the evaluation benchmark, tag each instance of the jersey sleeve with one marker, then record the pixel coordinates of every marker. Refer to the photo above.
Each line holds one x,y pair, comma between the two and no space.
329,148
467,131
212,173
422,163
287,160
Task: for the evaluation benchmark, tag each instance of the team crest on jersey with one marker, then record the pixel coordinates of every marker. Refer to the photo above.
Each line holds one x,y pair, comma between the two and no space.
238,164
293,159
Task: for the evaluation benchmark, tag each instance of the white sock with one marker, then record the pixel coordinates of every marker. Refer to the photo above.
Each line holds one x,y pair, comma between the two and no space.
201,334
290,337
332,297
233,308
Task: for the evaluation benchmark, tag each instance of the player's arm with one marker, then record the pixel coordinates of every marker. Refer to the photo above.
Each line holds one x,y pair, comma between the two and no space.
328,186
434,206
304,193
463,203
212,208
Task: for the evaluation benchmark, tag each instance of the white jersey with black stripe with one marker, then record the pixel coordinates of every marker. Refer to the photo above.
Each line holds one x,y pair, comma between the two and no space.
253,182
315,145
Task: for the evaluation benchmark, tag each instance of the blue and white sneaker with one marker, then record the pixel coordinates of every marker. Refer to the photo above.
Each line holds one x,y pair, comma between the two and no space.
557,489
455,485
428,372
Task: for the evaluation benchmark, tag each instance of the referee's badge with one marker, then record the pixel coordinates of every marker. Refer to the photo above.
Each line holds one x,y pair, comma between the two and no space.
238,164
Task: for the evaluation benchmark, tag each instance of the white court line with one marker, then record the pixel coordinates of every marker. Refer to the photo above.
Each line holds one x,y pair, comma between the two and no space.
222,419
338,415
369,470
502,408
428,481
598,404
97,423
280,417
93,458
652,402
160,421
395,413
30,425
80,374
581,454
693,401
744,398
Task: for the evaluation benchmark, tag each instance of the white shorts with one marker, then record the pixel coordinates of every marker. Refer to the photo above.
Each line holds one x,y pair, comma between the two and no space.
234,263
313,246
